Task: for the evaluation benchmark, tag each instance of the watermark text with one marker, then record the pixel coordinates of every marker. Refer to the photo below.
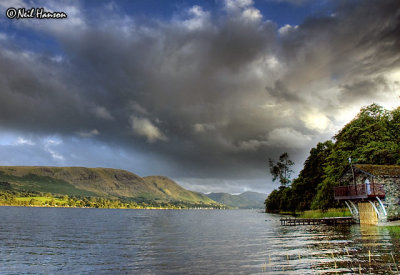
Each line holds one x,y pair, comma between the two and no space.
34,13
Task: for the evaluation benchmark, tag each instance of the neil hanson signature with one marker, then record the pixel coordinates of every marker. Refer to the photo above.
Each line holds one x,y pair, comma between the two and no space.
38,13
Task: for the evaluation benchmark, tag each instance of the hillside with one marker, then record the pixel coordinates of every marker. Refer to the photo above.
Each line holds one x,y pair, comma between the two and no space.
96,182
245,200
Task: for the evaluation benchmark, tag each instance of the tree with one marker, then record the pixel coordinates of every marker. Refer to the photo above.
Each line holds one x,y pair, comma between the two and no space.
304,187
273,202
281,169
372,137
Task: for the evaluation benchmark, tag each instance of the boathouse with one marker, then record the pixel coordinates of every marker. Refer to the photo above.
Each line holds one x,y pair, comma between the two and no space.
371,192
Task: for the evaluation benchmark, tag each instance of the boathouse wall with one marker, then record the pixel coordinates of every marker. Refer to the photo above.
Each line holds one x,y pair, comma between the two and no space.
392,197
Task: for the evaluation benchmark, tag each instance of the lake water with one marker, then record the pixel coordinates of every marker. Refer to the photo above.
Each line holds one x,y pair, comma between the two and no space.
113,241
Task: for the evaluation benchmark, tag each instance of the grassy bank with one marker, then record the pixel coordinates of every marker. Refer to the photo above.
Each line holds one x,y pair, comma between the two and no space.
332,212
39,201
394,230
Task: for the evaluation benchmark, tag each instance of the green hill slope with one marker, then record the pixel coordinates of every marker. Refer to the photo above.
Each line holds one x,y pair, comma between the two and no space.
171,189
97,182
245,200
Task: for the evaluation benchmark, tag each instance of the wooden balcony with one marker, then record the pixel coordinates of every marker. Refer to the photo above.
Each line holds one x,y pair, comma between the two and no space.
359,191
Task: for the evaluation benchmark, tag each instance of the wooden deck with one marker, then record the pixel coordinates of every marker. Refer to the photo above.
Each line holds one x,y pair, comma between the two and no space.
359,191
327,221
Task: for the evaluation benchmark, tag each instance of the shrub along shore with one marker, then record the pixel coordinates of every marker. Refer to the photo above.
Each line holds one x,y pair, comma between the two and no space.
38,199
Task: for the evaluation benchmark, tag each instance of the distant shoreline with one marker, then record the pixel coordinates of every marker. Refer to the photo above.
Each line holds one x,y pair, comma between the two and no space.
128,208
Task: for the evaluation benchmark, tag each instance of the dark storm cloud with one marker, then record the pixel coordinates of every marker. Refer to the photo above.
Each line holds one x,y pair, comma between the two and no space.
364,88
358,39
212,94
281,92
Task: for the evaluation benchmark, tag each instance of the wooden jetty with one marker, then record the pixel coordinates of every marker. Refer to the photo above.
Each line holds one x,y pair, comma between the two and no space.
328,221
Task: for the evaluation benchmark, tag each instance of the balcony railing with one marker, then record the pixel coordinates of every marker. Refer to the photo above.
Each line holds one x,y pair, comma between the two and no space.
359,191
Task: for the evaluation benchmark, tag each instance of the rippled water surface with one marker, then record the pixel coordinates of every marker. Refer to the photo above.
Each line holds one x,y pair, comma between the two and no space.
112,241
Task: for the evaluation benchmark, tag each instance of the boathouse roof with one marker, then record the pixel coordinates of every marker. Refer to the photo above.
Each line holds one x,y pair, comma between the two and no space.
379,170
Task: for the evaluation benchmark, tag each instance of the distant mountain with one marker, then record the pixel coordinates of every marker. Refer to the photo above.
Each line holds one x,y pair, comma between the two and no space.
245,200
98,182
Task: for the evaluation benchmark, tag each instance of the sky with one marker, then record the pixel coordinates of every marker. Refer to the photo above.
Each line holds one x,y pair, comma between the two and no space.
204,92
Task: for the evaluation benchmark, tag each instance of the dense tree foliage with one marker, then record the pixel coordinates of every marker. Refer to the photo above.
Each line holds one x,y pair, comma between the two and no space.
372,137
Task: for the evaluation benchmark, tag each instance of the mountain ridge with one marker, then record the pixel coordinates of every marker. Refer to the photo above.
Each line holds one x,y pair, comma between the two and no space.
245,200
100,182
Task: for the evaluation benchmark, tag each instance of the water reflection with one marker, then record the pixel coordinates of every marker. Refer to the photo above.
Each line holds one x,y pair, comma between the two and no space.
355,249
101,241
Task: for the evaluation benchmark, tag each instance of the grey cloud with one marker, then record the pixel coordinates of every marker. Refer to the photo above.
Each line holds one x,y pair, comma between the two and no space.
90,133
296,2
103,113
364,88
194,98
354,41
136,108
144,127
280,92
